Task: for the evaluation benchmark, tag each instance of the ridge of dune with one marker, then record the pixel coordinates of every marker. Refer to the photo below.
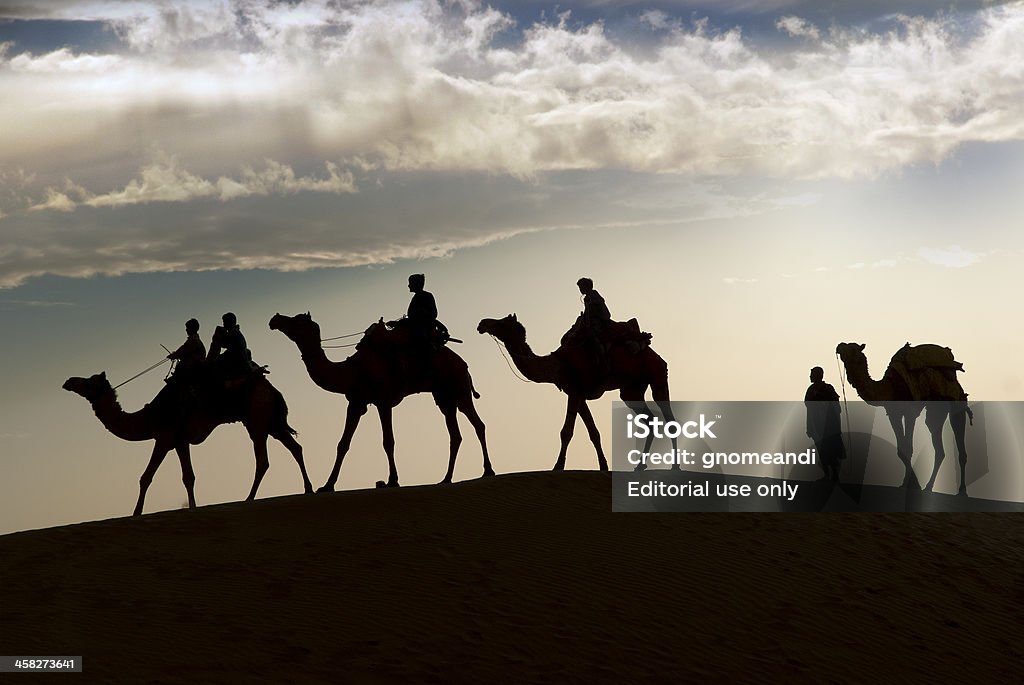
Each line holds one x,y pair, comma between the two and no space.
527,577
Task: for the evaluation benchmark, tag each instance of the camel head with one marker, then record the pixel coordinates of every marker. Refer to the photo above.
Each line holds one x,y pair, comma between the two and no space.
507,330
850,352
299,328
91,388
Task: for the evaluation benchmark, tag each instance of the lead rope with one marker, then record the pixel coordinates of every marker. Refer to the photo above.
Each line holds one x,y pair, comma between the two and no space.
339,337
505,356
846,407
140,373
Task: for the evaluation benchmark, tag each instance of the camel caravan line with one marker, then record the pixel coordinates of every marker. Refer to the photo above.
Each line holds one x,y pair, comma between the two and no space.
400,358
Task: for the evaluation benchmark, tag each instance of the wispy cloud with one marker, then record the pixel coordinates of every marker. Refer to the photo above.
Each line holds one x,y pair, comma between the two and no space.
953,256
165,181
45,304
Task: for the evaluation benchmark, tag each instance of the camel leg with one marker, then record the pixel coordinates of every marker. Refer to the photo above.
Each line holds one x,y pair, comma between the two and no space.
388,430
467,408
352,416
634,399
571,409
451,422
935,419
666,412
188,476
958,420
595,435
292,445
259,447
910,478
160,450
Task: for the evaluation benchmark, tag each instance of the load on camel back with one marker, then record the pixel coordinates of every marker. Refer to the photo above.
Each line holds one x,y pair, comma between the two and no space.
910,361
413,341
399,342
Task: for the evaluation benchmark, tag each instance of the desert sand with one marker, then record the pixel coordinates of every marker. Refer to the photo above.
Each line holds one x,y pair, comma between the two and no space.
518,578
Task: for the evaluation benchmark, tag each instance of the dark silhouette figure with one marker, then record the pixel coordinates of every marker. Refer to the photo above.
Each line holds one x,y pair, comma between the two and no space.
596,316
372,376
422,313
189,356
918,378
590,327
228,350
571,368
823,423
260,408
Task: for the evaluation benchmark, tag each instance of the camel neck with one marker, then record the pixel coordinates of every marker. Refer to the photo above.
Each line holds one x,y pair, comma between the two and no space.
871,391
135,426
537,369
331,376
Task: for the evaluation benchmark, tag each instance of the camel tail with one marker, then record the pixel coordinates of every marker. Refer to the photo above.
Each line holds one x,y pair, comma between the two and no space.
476,395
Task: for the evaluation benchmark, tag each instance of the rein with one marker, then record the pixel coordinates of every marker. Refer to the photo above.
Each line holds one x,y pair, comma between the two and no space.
846,407
339,337
501,349
143,372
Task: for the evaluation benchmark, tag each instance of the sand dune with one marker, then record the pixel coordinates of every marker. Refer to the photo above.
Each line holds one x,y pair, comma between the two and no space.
519,578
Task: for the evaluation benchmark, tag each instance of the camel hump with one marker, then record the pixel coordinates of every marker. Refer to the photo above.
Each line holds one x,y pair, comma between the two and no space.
920,357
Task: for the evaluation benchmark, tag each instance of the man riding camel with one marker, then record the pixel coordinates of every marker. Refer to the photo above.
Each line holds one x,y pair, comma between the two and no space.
236,360
190,355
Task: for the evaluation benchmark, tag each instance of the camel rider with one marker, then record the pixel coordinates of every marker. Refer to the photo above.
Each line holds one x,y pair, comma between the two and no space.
596,316
422,315
236,359
190,355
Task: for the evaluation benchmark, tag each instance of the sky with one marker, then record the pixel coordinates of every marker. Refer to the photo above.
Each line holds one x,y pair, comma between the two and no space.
754,180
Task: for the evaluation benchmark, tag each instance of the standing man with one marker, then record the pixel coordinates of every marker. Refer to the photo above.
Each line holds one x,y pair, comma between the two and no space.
823,423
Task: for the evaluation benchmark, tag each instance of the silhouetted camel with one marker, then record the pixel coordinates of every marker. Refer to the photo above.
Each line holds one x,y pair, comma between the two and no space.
572,370
936,390
265,414
370,377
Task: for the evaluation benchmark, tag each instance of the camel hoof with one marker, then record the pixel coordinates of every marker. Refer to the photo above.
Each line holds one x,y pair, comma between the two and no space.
389,484
488,472
326,488
445,481
308,490
640,467
962,492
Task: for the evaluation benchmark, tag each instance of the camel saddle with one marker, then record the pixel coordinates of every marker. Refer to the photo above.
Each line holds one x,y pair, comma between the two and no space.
625,333
910,362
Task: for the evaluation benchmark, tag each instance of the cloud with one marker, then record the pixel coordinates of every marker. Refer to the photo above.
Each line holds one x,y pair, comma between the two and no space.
249,98
33,304
403,216
165,181
953,256
423,85
795,26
